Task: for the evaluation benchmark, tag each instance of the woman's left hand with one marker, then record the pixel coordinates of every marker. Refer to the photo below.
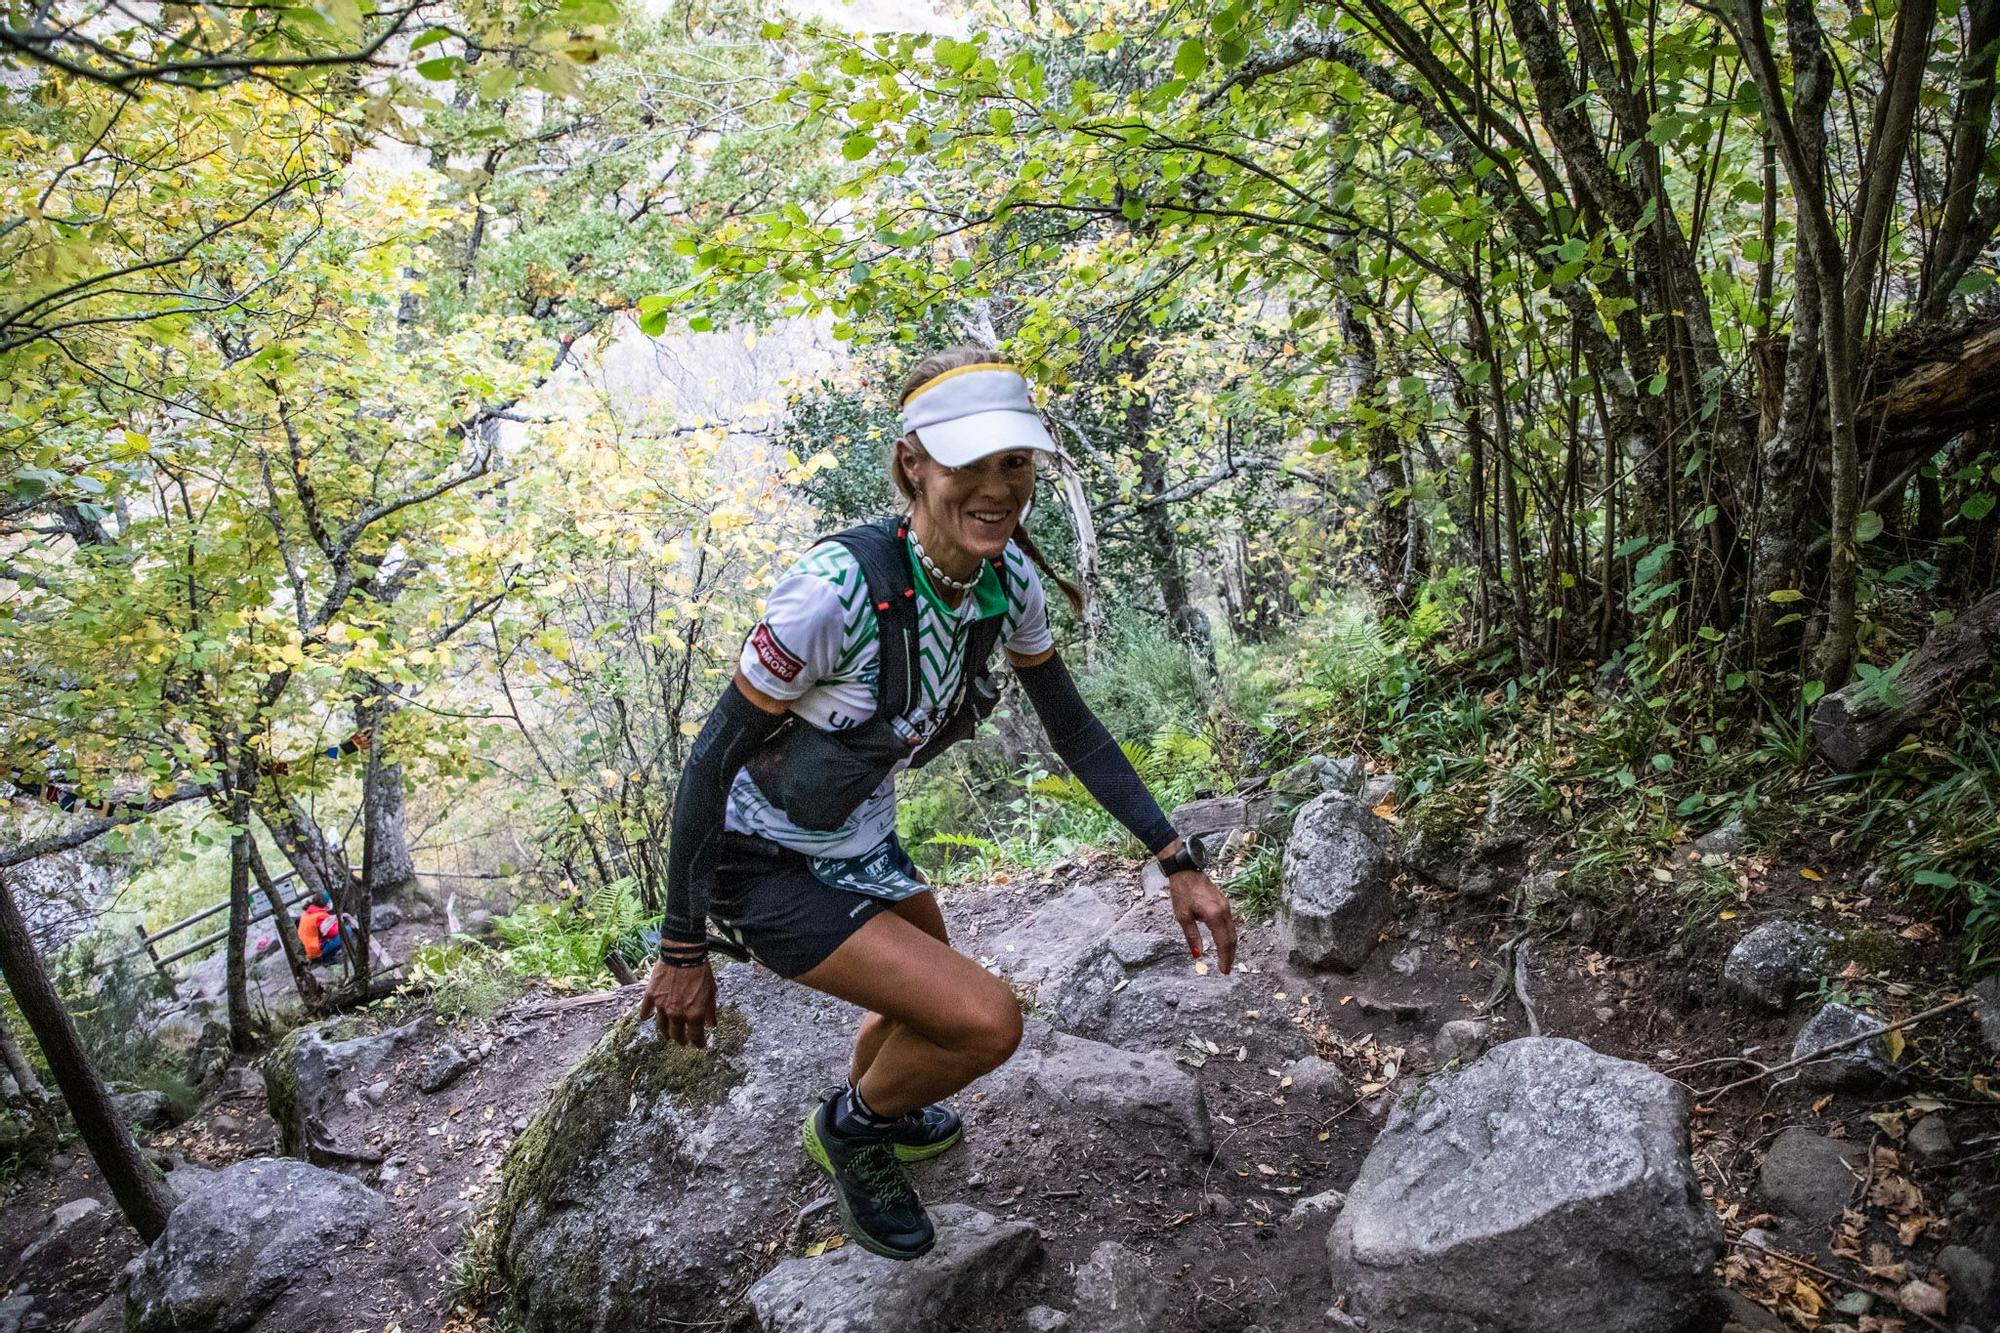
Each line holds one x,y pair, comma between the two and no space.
1198,902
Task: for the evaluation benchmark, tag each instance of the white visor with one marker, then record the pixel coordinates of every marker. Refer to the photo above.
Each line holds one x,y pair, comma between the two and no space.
968,413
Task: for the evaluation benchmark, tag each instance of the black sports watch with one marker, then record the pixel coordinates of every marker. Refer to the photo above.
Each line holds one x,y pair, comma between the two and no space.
1187,857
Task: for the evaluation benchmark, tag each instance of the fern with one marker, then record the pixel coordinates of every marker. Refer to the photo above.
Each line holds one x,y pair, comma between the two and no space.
967,842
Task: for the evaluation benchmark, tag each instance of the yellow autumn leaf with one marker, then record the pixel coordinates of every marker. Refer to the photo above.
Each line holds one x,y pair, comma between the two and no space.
1893,1039
1806,872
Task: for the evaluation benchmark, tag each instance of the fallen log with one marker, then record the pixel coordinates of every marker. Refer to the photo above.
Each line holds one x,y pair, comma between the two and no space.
1855,724
1938,385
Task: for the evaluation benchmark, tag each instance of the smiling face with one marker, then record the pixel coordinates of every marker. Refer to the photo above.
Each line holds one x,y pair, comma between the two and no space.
966,515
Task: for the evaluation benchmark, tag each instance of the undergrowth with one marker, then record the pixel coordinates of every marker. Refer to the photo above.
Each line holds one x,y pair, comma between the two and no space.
560,944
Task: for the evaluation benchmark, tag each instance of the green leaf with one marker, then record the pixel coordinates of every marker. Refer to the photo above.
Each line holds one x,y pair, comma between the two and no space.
1190,58
1787,595
857,146
439,69
1977,507
1868,527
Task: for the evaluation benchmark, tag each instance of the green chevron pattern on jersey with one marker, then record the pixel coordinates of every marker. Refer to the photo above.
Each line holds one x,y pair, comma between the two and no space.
941,644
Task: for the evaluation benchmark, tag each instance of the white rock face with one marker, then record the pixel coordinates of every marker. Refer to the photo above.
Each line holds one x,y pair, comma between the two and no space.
849,1290
1132,1099
1856,1069
1335,895
1545,1186
1768,967
243,1237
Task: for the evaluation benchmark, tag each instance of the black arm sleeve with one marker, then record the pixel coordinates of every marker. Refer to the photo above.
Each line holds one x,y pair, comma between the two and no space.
734,730
1091,754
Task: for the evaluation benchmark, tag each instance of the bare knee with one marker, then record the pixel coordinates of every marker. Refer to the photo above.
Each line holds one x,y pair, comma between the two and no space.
995,1031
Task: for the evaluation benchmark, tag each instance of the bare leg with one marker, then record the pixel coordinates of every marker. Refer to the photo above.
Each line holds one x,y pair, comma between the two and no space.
920,910
950,1020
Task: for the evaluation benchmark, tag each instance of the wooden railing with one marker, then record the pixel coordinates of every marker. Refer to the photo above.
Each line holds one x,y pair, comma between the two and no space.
289,893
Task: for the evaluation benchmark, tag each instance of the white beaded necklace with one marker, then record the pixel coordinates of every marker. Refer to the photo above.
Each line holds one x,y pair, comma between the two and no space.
950,584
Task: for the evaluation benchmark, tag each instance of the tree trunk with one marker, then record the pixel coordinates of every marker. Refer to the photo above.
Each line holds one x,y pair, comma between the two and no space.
242,1034
1855,724
18,1068
356,904
311,994
387,866
139,1189
1388,518
318,860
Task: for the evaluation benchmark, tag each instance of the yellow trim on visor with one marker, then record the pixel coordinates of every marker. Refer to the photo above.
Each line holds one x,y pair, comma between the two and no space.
954,373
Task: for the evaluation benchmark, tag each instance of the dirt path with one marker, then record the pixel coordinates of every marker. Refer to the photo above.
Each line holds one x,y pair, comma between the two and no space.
1216,1232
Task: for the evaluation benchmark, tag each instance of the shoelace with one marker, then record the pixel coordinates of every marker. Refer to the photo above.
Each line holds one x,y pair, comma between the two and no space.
877,1168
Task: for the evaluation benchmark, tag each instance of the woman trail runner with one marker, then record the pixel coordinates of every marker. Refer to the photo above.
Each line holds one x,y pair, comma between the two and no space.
871,656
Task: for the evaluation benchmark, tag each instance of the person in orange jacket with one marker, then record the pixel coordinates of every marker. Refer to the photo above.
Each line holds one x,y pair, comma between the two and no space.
319,930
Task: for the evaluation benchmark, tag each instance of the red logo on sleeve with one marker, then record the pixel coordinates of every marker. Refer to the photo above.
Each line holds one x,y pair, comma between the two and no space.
775,659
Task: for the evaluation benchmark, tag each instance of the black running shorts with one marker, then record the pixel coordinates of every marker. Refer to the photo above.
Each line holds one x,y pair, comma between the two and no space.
767,900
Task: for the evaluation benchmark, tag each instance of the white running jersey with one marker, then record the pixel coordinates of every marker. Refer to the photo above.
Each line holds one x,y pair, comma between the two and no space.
817,647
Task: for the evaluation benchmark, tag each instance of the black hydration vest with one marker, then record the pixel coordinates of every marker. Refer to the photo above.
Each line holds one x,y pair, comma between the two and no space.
818,778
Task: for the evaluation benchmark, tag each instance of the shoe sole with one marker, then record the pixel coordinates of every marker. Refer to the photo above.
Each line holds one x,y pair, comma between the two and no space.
809,1136
910,1153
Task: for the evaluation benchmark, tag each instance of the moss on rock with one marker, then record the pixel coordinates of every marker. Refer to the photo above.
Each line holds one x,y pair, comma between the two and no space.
624,1076
281,1091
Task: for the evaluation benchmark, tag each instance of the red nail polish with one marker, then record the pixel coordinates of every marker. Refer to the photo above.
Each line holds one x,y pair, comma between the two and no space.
1194,953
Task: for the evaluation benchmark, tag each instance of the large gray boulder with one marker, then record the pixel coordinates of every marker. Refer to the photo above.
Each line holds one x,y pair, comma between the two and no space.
1809,1177
1545,1186
1770,966
1127,1100
1986,1003
1858,1068
1141,991
848,1290
143,1108
1052,936
240,1239
1321,774
1117,1293
583,1242
1335,886
1975,1290
975,1261
315,1088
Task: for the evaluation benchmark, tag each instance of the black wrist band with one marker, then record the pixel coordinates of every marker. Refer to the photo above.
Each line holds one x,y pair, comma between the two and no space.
685,959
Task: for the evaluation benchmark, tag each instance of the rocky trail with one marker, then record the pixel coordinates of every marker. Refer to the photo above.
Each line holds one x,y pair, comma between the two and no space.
1290,1147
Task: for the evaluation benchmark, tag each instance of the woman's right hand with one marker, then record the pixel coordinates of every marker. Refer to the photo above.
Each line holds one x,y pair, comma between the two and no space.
681,1003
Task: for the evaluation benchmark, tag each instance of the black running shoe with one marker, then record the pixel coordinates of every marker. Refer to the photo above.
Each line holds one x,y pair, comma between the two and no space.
882,1213
926,1132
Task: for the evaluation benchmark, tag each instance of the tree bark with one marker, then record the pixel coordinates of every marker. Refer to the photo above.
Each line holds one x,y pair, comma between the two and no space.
1855,724
318,860
140,1190
18,1068
388,865
1948,388
311,994
242,1033
1388,518
1966,226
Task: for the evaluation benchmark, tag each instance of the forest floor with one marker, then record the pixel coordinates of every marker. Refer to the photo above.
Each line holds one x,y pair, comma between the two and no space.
1215,1231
